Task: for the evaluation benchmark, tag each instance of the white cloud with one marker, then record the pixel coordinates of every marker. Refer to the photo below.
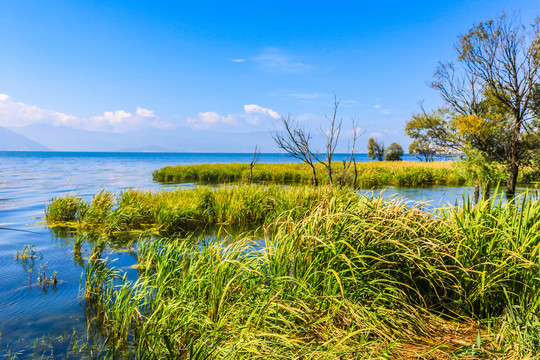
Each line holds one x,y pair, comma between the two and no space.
386,111
376,135
205,120
256,109
377,106
273,59
253,120
145,113
238,60
14,113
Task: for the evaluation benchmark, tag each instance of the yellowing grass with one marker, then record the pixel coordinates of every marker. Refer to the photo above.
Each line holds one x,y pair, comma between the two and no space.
369,173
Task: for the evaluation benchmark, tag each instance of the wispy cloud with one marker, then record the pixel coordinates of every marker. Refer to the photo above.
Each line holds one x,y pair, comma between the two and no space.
299,95
13,113
375,135
273,59
210,119
383,111
238,60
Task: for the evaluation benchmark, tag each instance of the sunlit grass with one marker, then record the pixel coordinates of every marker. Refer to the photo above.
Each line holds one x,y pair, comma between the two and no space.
369,173
184,209
336,276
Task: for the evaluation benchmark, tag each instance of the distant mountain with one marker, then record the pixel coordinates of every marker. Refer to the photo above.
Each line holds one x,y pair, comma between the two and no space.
11,141
62,138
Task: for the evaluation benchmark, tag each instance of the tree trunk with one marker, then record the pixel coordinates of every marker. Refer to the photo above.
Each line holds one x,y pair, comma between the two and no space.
476,193
487,191
329,168
314,175
513,171
355,173
515,159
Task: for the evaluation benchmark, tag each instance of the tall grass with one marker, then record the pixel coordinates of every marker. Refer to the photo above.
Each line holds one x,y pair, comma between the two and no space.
340,277
183,210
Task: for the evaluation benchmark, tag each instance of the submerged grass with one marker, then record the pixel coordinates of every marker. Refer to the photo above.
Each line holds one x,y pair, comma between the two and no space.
339,276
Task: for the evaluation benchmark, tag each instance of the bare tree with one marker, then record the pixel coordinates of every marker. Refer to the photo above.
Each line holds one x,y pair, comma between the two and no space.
254,160
332,138
350,159
295,141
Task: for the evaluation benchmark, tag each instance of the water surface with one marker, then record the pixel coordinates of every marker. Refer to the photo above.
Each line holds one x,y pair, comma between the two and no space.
28,180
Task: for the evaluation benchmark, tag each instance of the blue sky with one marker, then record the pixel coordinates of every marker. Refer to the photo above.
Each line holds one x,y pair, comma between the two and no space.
228,67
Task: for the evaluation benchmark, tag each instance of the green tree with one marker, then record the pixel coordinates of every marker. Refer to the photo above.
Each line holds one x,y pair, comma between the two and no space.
503,59
375,149
489,96
393,153
422,150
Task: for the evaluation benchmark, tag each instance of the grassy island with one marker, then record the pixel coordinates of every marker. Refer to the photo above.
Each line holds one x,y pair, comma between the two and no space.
369,174
329,275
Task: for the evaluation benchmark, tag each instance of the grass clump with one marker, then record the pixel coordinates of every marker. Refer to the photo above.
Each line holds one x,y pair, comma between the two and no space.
189,209
68,208
338,276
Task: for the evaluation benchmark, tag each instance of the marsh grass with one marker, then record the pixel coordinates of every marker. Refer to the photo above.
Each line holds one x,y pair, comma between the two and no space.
370,174
338,276
134,212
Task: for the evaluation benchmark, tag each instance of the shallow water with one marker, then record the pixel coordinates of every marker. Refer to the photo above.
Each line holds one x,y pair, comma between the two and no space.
28,180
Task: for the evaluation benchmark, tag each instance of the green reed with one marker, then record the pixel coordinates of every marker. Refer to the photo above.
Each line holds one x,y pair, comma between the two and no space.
369,173
335,276
186,210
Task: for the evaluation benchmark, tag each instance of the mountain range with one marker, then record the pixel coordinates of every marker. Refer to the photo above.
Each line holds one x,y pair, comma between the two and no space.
62,138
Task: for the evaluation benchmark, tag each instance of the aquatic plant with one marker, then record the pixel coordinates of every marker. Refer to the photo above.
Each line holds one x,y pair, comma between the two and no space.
190,209
27,252
352,277
68,208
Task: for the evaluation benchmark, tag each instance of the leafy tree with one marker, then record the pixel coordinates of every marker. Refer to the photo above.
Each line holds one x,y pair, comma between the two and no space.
393,153
489,96
504,59
375,149
434,130
422,150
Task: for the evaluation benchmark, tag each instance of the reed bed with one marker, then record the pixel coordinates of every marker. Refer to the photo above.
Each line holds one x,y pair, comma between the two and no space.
369,173
182,210
344,276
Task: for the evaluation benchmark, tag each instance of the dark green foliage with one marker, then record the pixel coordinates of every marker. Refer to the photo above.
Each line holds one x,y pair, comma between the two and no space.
393,153
375,149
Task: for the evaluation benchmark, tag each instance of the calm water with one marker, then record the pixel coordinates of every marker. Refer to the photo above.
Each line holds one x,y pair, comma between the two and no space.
28,180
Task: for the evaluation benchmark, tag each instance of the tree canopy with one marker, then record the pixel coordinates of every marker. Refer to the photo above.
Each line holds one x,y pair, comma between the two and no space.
491,96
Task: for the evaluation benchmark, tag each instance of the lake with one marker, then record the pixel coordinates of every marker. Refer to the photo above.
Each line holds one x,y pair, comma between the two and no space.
36,319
